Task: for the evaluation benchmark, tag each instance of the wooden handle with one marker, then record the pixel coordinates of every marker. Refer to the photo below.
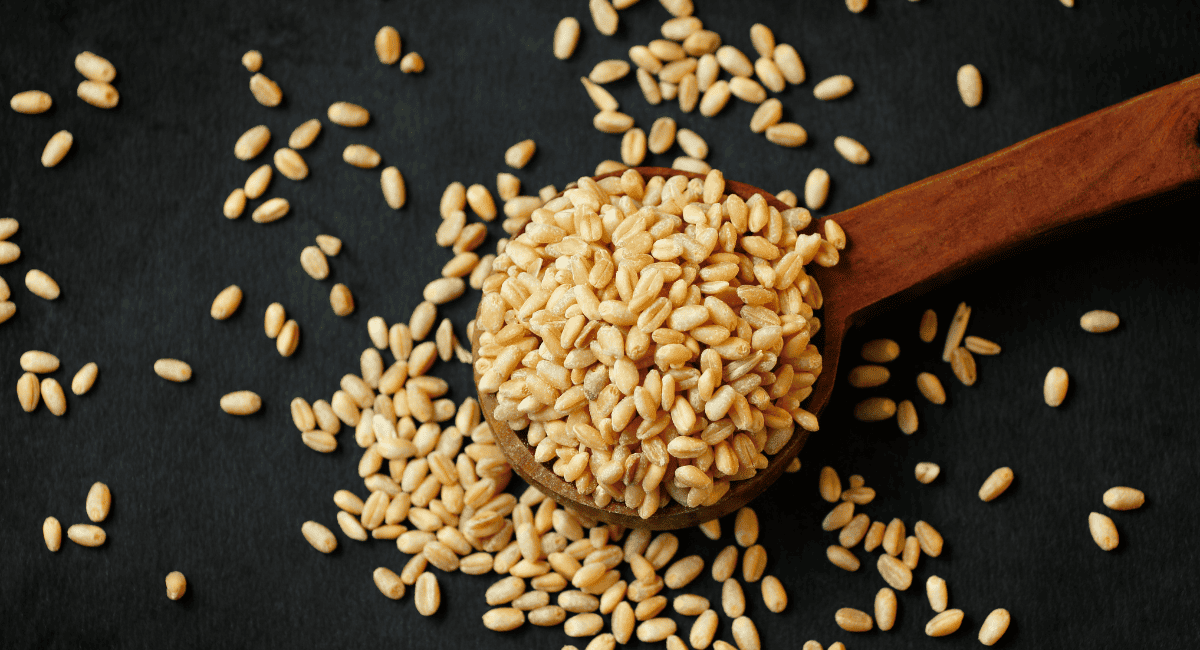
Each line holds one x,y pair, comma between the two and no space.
931,231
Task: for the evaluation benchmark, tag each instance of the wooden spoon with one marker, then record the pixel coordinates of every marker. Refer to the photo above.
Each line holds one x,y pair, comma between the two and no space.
917,237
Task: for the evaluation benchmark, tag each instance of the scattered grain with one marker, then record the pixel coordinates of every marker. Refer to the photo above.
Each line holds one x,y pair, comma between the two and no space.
394,191
412,63
252,60
753,564
503,619
29,391
242,402
963,365
428,596
98,94
816,187
927,472
1104,531
289,338
176,585
271,210
970,85
787,134
745,527
842,558
329,245
834,87
56,148
880,350
31,102
703,630
361,156
853,620
868,376
894,572
86,535
85,378
481,202
604,17
52,534
945,623
99,500
265,91
935,590
885,608
733,599
982,346
1124,498
173,370
912,553
852,150
996,484
52,394
1099,321
1054,388
348,115
341,300
387,45
313,261
653,630
994,626
518,155
874,409
956,330
41,285
566,37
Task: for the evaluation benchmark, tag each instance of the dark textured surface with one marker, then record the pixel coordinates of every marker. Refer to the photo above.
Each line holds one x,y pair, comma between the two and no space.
129,224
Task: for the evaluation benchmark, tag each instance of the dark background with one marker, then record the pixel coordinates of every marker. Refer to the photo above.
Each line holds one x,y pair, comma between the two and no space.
130,226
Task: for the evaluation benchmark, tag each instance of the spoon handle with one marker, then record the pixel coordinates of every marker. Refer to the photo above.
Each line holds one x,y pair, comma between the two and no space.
931,231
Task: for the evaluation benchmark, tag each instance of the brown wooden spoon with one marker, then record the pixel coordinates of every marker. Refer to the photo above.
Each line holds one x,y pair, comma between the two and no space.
927,233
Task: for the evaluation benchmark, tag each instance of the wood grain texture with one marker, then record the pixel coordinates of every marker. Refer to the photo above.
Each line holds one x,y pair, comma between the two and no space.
928,233
923,235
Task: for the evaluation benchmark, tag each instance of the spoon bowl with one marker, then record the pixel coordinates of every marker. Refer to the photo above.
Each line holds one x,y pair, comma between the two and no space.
920,236
671,514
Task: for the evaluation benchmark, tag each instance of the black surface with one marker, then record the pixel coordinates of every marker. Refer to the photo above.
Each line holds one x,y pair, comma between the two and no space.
130,226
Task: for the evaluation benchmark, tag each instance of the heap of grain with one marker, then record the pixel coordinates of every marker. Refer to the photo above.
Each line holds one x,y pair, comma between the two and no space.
653,336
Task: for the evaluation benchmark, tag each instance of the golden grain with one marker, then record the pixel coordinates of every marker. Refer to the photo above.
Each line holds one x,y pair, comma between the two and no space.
926,472
834,87
265,91
842,558
85,378
87,535
242,402
52,534
970,85
347,114
853,620
56,148
994,626
98,94
880,350
894,572
1124,498
996,484
99,500
852,150
31,102
1104,531
1054,388
931,388
944,623
566,37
